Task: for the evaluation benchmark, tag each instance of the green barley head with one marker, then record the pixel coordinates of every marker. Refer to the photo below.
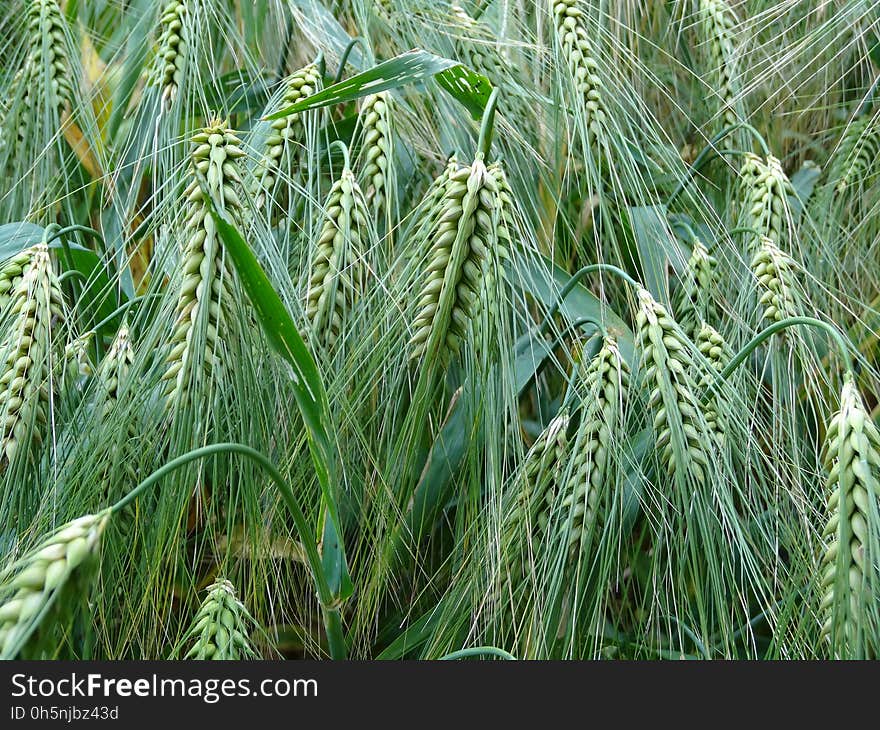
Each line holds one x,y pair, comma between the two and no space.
220,626
850,565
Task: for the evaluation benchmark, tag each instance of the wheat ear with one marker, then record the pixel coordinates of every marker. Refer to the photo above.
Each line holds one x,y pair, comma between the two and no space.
718,22
173,49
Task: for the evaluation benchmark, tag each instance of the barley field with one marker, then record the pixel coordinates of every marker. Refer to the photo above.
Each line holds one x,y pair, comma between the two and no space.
382,329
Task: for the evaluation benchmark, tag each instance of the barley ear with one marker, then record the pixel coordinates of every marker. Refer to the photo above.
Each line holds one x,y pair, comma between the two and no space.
280,151
220,626
30,587
849,582
206,284
29,338
667,365
337,273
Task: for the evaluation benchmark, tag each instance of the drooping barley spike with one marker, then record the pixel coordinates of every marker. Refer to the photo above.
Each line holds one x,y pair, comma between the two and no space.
206,283
286,138
27,352
850,566
115,366
462,241
718,22
576,507
775,272
172,51
48,58
475,45
695,299
717,353
337,271
377,173
766,190
681,434
541,471
220,626
856,155
577,50
431,204
32,586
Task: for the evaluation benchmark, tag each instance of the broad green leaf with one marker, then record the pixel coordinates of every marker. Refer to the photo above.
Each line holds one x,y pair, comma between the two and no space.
407,68
308,390
657,248
803,182
15,237
467,87
543,280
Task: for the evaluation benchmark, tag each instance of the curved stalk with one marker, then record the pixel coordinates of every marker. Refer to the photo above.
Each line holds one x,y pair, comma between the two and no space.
487,126
359,41
332,617
833,332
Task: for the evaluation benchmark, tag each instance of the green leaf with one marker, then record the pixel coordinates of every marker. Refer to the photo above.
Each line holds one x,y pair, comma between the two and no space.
407,68
543,280
803,182
657,248
309,393
469,88
15,237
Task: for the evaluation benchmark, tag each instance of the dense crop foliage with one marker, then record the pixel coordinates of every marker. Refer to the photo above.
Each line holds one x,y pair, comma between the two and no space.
394,328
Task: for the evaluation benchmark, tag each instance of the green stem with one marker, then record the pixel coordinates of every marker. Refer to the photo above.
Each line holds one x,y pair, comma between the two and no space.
345,156
479,651
359,41
573,282
59,232
712,149
332,618
765,334
487,127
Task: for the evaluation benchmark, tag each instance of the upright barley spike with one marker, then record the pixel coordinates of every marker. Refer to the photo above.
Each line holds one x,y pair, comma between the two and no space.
173,45
718,21
30,586
337,271
777,288
576,45
27,352
681,434
286,136
850,566
220,626
463,241
206,285
577,503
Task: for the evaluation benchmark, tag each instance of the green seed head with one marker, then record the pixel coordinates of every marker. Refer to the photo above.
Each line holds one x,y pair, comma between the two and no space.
220,626
30,585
